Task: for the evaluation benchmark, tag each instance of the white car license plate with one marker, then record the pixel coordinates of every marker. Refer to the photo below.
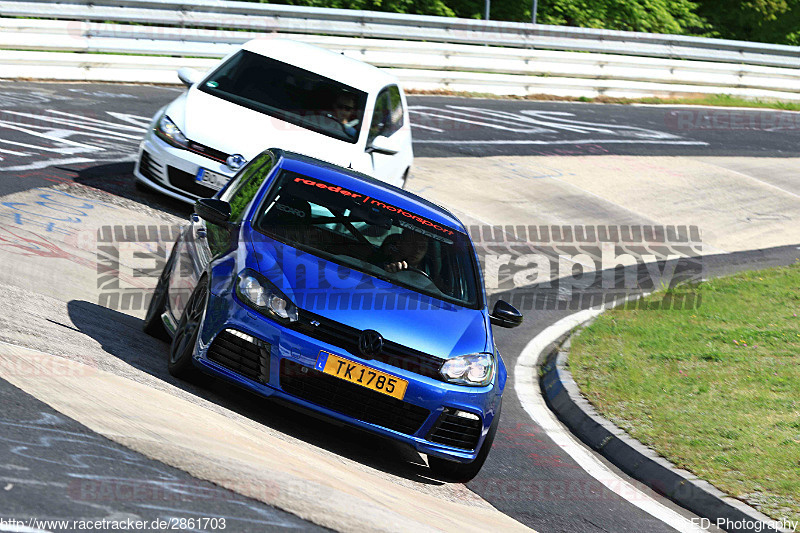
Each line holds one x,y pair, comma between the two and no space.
211,179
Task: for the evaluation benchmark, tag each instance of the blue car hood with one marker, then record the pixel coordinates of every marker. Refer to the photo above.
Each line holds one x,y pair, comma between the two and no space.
360,301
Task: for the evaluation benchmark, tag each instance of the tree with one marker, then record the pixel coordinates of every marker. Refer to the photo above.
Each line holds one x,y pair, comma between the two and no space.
420,7
656,16
771,21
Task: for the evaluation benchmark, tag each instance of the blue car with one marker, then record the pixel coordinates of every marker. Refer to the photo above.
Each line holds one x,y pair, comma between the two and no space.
343,295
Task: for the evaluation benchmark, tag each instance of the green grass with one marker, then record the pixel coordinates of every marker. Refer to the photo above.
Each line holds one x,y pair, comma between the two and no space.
723,100
716,389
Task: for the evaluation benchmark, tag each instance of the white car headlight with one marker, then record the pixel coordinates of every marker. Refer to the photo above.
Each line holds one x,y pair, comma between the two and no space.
169,132
258,293
474,369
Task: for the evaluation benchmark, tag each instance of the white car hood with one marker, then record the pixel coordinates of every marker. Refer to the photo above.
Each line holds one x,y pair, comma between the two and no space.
234,129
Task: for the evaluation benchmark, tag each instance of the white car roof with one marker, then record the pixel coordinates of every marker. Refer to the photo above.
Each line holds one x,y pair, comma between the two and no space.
335,66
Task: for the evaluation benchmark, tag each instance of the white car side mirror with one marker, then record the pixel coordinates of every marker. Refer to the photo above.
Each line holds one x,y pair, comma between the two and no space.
383,145
189,76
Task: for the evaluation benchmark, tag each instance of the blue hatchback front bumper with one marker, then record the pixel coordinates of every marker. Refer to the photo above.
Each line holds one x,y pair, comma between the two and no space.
272,360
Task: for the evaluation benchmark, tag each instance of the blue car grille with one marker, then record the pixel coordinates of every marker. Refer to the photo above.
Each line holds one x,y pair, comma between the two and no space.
346,338
456,431
350,399
241,353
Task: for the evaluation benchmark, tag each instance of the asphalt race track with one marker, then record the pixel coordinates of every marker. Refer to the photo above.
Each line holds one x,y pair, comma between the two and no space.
66,158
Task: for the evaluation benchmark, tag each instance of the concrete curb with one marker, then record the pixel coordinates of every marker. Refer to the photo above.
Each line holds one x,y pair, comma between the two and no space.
635,459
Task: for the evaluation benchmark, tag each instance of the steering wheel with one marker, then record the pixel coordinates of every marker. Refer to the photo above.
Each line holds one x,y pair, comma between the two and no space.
331,117
418,271
347,129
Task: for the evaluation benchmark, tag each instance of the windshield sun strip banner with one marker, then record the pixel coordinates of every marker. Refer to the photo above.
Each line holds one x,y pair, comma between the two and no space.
369,201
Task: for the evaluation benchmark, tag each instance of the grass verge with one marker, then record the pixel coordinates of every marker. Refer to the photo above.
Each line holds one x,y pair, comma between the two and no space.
716,390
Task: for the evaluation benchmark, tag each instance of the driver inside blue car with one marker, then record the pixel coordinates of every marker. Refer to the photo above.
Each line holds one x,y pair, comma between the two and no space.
404,251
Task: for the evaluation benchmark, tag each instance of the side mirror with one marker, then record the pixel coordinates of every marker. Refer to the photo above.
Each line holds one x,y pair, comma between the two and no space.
383,145
213,210
189,76
505,315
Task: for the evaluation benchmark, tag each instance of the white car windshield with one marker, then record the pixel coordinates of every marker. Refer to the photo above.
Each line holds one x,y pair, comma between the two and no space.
289,93
329,221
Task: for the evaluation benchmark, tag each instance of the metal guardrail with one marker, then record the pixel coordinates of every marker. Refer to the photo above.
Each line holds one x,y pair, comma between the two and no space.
267,18
427,52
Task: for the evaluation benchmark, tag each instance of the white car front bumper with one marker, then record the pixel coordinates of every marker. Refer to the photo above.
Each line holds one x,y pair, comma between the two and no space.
172,171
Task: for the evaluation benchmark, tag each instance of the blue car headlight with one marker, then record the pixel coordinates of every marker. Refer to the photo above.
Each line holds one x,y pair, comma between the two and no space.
260,294
475,369
169,132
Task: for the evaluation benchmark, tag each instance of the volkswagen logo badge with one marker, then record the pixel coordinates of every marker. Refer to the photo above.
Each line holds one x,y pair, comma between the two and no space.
235,161
370,343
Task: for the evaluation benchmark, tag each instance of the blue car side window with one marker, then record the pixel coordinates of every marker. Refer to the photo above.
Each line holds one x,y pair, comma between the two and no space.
241,193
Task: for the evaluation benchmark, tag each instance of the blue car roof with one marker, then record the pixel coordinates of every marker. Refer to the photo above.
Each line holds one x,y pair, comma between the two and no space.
369,186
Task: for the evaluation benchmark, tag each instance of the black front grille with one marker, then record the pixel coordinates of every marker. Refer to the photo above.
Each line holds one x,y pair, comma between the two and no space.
241,353
149,168
456,431
207,151
350,399
185,181
346,338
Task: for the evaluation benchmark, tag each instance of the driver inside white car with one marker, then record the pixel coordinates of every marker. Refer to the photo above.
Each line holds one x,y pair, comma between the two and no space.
344,111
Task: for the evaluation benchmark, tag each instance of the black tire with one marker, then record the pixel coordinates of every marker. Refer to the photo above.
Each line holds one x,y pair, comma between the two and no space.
182,348
153,325
463,472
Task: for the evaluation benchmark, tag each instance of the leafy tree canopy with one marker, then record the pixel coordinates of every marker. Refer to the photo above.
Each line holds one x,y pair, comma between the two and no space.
775,21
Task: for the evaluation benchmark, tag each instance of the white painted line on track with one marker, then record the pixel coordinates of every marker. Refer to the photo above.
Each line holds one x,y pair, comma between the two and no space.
47,163
437,130
90,130
529,393
564,141
485,124
480,119
120,116
12,152
37,148
11,126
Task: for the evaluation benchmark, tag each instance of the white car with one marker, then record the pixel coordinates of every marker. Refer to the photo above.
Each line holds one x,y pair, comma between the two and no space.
281,93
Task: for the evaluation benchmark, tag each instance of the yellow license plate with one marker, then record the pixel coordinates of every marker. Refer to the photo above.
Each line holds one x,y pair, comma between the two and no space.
362,375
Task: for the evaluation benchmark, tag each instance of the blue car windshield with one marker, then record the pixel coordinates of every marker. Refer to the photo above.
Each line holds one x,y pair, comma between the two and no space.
372,236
